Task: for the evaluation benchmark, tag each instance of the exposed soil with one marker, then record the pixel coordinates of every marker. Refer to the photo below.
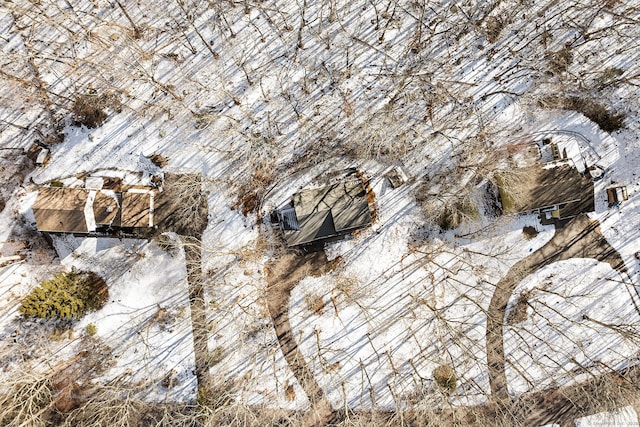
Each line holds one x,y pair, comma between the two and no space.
282,276
579,238
193,257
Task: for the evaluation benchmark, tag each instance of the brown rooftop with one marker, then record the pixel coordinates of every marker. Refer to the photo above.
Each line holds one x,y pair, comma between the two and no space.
136,209
561,186
106,209
61,209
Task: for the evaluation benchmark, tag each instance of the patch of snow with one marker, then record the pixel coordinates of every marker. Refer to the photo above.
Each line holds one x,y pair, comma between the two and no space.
580,320
146,321
623,417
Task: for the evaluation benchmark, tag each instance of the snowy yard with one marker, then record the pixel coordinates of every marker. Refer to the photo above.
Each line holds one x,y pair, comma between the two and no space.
263,99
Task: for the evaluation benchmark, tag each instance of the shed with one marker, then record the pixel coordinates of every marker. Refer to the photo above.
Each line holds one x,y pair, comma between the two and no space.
43,157
58,209
329,211
616,195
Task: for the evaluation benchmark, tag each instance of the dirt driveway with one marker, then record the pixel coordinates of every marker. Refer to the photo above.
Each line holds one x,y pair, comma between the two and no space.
580,238
282,276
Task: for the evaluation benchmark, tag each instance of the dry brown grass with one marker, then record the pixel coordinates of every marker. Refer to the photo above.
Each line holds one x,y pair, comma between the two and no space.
251,192
519,312
607,119
446,378
315,303
91,109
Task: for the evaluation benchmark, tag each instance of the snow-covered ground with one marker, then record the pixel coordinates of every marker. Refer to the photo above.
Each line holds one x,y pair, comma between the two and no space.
394,314
146,321
295,90
581,319
623,417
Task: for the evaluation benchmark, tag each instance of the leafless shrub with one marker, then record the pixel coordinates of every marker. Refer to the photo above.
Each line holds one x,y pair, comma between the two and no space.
518,313
216,355
455,211
494,28
26,400
182,205
609,77
109,406
214,397
560,61
91,109
314,303
159,160
529,232
250,194
446,210
590,108
168,244
382,136
446,378
514,185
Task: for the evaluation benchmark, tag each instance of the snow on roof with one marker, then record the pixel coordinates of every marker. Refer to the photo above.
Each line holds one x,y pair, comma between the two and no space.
94,182
42,156
61,209
78,210
328,211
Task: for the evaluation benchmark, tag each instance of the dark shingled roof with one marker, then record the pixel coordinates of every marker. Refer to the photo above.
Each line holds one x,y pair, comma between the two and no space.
61,210
329,211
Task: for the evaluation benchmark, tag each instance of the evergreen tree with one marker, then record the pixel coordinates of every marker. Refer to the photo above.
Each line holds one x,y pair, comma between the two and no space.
66,296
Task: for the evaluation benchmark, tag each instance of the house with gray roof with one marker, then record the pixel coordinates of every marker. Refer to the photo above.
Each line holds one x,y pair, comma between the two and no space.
320,214
556,193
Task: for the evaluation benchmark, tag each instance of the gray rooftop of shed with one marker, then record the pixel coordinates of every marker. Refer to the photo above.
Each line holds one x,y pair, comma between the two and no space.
329,211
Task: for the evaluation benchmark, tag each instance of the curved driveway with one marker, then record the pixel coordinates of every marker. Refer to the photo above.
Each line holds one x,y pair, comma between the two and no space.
579,238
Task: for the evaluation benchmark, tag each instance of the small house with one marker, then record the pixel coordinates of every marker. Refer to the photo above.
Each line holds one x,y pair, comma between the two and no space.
320,214
83,210
559,192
